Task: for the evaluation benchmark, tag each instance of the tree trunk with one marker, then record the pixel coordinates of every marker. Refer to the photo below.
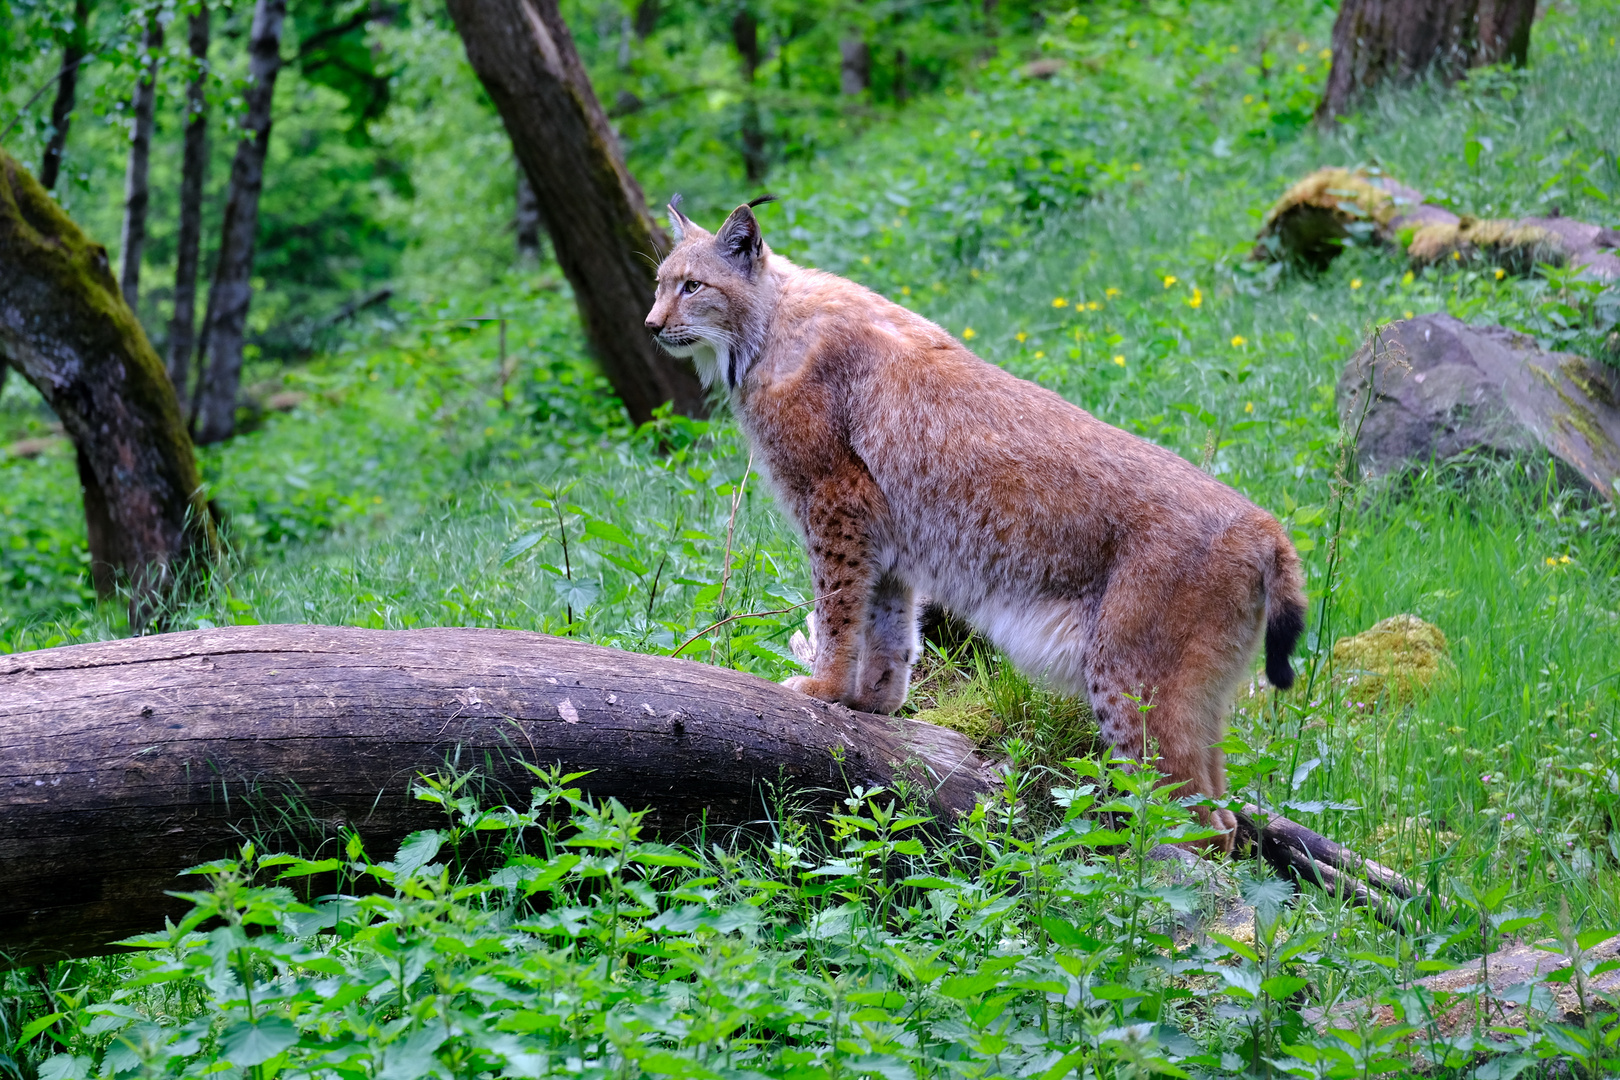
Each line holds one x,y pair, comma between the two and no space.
67,87
214,417
854,66
64,325
125,762
527,220
647,12
745,36
193,172
1401,40
136,188
601,233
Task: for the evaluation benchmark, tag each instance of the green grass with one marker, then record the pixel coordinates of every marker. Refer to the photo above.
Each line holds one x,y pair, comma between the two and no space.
410,489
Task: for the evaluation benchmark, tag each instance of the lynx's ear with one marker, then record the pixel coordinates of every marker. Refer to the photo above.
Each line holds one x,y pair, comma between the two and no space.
739,241
679,223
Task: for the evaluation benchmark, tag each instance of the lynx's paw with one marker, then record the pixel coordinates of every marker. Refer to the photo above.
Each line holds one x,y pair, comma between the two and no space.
812,687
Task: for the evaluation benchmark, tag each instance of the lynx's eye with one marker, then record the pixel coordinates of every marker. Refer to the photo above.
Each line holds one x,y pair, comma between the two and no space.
690,287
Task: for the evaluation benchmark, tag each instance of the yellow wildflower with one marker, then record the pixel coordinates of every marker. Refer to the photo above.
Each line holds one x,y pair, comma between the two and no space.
905,290
1120,359
1136,166
1551,561
1408,314
1231,48
1060,302
1238,341
1457,255
867,259
1300,68
1563,558
1325,54
1500,273
968,334
1092,305
974,134
1021,336
1406,278
1303,46
1169,280
1196,299
1249,407
1248,99
1039,354
1355,283
974,273
1110,293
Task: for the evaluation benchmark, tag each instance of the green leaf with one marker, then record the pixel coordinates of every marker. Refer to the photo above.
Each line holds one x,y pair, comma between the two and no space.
521,544
254,1044
34,1027
416,851
606,530
1236,946
1283,987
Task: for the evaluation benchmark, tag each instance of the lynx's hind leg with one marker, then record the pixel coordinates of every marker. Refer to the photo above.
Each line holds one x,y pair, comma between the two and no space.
1165,666
888,648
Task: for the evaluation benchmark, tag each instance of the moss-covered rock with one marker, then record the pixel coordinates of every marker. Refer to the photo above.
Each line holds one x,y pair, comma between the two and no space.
1395,660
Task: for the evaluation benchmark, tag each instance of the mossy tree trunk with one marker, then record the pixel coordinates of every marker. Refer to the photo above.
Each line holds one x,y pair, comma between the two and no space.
214,415
1401,40
601,232
65,326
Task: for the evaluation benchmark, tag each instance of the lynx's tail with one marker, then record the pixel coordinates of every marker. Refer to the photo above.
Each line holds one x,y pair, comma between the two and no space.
1285,611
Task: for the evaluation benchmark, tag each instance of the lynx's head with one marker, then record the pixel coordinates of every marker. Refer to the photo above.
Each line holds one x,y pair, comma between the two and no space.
713,297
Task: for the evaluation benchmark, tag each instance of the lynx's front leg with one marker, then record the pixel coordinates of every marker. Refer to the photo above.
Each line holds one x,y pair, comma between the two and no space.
837,518
889,648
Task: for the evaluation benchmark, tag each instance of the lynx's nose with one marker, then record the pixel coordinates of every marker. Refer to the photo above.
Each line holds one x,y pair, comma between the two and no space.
653,324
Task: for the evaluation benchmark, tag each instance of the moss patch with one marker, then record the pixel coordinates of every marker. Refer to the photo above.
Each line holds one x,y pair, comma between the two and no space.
1499,241
1396,660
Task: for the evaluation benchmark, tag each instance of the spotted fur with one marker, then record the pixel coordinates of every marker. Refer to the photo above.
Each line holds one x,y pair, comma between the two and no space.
1096,560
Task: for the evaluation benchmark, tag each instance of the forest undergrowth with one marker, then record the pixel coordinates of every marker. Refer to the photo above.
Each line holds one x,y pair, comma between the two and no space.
1089,231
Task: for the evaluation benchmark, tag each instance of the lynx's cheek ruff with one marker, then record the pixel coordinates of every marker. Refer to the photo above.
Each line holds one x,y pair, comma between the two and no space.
1104,564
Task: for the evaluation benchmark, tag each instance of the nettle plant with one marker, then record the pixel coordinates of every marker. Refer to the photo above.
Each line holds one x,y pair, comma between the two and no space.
1035,938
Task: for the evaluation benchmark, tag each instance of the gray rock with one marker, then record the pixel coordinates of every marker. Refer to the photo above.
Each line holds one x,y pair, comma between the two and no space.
1444,389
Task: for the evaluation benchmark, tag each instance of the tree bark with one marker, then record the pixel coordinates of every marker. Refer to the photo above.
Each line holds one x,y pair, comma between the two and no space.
193,173
64,325
214,416
137,191
647,12
124,762
67,87
601,232
745,37
1401,40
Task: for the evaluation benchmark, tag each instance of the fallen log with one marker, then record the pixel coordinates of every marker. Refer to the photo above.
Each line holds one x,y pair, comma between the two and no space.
124,762
1317,217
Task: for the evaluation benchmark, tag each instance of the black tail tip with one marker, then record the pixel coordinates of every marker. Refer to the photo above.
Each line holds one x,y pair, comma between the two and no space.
1282,634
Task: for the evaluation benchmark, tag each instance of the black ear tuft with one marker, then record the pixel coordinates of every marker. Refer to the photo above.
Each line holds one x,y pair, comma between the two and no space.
739,241
761,201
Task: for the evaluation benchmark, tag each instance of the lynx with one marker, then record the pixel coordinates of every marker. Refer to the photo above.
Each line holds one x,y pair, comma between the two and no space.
1095,560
